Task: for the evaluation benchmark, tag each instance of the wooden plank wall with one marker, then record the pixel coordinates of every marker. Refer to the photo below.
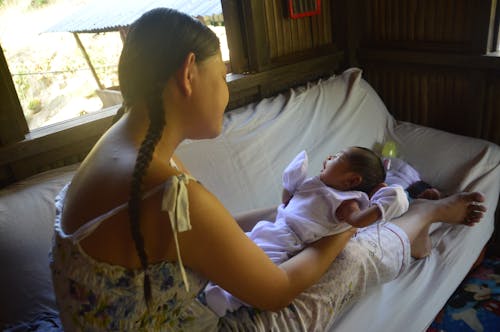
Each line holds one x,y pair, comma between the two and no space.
491,118
289,36
447,22
443,98
426,59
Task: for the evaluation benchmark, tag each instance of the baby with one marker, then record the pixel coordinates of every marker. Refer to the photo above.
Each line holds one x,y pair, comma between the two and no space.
329,203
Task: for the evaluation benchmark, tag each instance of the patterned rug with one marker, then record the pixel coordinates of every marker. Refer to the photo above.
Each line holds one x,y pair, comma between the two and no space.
475,305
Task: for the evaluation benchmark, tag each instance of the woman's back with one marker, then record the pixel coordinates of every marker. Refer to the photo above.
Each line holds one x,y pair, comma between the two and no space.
103,183
96,295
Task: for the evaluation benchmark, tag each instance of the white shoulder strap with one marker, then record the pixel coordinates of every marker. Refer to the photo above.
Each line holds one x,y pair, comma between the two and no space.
87,228
175,201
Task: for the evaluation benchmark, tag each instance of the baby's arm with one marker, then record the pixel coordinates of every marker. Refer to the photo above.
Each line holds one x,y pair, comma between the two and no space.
349,212
391,200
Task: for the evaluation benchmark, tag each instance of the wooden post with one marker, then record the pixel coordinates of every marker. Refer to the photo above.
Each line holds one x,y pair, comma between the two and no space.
12,120
87,58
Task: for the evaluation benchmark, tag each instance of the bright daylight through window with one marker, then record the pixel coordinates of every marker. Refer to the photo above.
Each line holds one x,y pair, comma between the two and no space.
60,69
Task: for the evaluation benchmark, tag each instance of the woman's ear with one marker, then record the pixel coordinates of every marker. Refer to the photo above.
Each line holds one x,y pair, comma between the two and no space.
186,73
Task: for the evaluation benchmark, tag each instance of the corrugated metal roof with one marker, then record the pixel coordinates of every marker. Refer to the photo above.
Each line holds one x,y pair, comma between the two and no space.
112,15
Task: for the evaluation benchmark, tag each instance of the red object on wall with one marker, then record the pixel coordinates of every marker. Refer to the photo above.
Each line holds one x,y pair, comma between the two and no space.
303,8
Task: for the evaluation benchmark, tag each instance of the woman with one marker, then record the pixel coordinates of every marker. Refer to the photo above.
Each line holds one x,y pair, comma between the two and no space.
133,218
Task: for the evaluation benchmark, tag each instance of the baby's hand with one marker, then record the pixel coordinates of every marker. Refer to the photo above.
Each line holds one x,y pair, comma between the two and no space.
346,209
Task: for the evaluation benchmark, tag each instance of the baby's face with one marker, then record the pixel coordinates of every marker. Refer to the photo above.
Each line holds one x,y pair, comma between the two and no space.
336,171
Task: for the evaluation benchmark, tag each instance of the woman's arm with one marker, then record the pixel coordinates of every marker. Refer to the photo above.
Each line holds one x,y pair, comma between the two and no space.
217,248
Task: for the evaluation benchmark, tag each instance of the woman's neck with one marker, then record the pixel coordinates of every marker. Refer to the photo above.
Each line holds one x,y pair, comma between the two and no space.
136,124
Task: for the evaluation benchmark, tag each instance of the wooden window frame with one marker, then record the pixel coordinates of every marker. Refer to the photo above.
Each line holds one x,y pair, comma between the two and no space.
12,121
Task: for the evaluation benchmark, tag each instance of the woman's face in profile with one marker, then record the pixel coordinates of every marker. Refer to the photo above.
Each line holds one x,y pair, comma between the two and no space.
210,97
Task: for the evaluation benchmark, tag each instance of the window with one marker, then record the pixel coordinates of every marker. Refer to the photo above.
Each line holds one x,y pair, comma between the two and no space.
216,23
60,74
52,78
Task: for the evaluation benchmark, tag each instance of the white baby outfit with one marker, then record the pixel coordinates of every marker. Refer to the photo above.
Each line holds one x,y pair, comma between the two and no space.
308,216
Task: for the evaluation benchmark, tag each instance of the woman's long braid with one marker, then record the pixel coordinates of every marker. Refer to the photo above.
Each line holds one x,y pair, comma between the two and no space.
156,46
144,157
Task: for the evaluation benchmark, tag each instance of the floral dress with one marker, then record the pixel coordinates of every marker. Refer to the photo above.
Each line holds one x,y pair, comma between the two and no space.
96,296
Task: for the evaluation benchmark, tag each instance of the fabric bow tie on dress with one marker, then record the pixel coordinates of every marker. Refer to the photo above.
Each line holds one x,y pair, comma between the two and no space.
175,202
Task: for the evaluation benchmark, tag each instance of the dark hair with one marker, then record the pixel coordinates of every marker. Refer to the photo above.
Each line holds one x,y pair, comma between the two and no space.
366,163
417,188
156,46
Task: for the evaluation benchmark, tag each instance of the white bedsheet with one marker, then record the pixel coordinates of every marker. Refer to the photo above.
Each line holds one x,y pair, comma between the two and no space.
243,168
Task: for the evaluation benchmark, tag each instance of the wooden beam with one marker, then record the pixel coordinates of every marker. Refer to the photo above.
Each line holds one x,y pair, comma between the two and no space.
236,36
12,121
87,58
428,58
254,19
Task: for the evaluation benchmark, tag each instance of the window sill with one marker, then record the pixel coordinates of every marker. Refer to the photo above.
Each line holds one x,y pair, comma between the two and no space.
99,115
71,123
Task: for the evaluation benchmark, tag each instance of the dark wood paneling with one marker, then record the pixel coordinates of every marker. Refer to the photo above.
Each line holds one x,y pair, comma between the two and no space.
452,99
491,118
452,25
427,59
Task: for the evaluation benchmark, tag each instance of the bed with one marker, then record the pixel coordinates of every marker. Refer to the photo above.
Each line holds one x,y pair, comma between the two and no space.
243,168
